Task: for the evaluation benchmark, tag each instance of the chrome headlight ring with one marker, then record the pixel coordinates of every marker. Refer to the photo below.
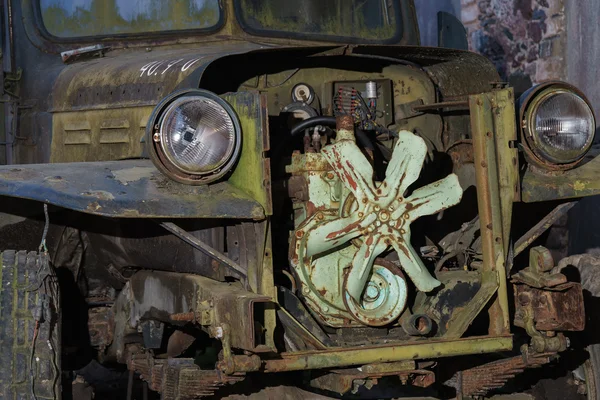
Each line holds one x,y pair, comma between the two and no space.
194,137
557,125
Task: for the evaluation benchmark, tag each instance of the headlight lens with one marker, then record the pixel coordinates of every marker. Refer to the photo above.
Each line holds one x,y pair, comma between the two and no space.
197,134
197,137
559,125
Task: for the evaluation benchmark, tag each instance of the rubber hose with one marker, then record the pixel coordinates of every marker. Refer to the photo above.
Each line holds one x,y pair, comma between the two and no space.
361,136
313,121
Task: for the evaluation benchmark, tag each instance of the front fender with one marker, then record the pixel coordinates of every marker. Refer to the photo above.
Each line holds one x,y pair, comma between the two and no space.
125,189
136,189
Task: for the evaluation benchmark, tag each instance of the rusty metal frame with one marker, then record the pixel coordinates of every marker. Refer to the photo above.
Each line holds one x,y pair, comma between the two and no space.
496,166
496,169
388,353
185,298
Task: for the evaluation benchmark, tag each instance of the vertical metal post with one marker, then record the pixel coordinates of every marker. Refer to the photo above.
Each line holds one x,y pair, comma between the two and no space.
493,129
8,65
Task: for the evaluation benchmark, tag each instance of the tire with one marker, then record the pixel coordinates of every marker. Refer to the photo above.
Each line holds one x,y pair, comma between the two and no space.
29,350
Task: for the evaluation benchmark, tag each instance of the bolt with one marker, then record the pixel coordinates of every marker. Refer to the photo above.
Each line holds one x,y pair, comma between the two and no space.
330,175
524,299
320,217
360,215
306,289
384,215
325,309
372,292
156,137
299,234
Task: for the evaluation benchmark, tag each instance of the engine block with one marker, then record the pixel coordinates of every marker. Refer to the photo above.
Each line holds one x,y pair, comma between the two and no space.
344,221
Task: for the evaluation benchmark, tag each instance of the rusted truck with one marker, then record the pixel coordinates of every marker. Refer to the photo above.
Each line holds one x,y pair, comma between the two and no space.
203,192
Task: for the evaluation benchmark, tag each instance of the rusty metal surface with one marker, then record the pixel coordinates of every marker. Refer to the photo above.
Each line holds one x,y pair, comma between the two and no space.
169,297
179,341
560,308
125,189
342,357
496,171
536,231
480,380
100,327
538,185
180,378
132,78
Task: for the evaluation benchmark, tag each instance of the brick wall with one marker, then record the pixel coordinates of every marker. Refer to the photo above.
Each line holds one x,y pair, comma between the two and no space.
525,39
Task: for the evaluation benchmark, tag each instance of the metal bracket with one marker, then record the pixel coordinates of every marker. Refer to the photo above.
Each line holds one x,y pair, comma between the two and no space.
203,247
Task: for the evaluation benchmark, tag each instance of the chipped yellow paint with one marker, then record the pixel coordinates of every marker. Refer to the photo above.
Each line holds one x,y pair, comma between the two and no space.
579,185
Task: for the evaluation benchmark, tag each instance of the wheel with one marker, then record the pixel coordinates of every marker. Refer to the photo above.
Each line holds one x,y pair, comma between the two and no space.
29,327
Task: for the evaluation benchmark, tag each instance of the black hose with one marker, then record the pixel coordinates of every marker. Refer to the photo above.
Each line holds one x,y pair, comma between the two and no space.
363,140
361,136
313,121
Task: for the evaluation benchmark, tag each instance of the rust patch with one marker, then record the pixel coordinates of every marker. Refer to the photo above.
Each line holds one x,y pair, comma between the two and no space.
347,229
345,122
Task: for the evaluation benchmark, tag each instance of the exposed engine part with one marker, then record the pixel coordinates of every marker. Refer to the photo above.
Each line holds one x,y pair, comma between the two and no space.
349,101
417,325
300,110
311,122
303,93
386,293
361,137
180,378
371,92
480,380
350,220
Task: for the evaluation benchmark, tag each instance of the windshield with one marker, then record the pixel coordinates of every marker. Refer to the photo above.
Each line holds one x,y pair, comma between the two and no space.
79,18
361,20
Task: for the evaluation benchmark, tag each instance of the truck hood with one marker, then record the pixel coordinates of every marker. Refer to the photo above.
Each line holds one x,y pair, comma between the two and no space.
130,78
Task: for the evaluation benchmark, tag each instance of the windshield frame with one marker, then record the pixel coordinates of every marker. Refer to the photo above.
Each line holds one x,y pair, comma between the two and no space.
396,38
39,22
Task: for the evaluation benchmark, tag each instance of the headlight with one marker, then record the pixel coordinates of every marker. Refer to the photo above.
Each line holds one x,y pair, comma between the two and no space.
558,124
195,137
